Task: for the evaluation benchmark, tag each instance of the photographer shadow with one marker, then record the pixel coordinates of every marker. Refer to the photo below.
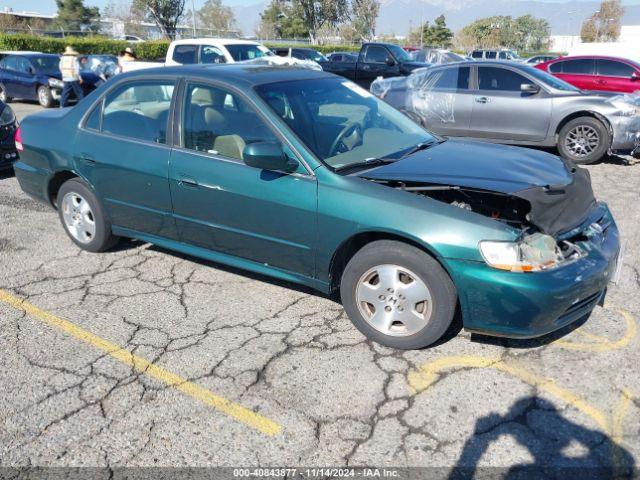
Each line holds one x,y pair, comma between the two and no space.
559,447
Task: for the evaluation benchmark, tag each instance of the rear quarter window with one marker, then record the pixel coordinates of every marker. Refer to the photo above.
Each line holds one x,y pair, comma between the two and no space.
582,66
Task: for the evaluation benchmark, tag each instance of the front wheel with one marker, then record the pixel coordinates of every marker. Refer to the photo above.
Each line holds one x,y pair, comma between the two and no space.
398,295
584,140
83,217
45,99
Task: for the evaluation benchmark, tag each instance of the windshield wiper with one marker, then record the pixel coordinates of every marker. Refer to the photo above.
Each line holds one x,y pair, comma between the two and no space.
421,146
368,162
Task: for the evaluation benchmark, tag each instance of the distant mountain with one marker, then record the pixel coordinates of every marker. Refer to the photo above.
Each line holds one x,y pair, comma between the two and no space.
397,16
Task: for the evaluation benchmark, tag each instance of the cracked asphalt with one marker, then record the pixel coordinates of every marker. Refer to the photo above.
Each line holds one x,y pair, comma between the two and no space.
570,400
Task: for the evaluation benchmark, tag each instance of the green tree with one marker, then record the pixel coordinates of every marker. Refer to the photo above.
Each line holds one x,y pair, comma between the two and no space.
282,19
523,33
215,16
165,13
604,24
74,15
364,14
436,35
316,14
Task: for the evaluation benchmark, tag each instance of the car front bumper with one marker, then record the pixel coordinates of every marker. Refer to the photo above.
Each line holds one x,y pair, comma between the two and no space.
525,305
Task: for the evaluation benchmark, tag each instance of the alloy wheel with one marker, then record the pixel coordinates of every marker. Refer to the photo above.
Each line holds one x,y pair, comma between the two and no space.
582,140
394,300
78,217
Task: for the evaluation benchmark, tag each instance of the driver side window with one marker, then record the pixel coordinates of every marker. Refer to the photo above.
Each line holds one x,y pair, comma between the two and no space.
376,54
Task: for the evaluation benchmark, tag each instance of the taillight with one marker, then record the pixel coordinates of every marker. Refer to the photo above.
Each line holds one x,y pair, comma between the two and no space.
18,139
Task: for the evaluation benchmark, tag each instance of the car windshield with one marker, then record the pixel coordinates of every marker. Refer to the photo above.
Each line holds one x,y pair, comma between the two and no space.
46,64
399,53
241,52
553,82
340,122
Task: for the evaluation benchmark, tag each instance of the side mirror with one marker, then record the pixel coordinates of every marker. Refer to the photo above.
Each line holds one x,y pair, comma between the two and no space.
268,156
220,60
529,88
390,62
635,77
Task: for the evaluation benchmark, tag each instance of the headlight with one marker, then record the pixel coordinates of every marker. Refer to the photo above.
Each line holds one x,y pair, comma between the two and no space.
7,116
534,253
55,83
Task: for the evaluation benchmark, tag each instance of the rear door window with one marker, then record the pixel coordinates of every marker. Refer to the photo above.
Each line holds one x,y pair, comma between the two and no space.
449,79
612,68
139,110
490,55
10,63
582,66
556,67
185,54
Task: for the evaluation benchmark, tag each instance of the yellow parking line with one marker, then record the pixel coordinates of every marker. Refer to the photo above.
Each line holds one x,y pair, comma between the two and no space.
426,376
617,427
238,412
602,344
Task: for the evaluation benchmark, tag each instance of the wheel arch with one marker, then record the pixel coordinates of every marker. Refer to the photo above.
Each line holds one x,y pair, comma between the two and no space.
585,113
55,182
349,247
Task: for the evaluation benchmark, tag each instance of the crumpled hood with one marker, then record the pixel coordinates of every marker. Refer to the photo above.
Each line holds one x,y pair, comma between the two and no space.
480,165
559,193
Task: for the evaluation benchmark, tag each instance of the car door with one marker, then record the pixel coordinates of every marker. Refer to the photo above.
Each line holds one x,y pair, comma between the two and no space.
222,204
9,65
376,61
122,151
617,76
26,82
501,110
579,72
443,100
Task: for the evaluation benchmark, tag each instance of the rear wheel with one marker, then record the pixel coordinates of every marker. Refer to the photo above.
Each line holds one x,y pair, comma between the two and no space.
3,95
45,99
584,140
397,295
83,217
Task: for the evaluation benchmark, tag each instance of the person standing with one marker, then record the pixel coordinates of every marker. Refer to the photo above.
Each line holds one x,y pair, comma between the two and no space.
126,56
70,69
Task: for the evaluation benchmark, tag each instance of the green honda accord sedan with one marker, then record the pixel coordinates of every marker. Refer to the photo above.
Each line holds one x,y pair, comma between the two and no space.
304,176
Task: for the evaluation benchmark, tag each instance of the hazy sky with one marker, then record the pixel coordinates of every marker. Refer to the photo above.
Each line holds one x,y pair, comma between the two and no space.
49,6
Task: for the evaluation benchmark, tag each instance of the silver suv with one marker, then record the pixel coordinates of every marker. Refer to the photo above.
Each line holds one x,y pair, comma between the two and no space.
499,54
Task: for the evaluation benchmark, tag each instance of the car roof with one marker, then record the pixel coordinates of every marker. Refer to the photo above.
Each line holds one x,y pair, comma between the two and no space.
36,54
592,57
239,74
214,41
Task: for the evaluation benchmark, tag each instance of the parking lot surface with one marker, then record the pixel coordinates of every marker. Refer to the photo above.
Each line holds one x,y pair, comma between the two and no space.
143,357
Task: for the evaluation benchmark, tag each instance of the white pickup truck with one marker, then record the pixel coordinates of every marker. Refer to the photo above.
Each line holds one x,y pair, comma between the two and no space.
205,50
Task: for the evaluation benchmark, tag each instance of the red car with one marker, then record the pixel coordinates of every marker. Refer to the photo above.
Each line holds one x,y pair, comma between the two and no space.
610,74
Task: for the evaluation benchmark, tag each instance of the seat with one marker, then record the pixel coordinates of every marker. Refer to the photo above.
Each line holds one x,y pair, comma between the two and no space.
229,146
129,124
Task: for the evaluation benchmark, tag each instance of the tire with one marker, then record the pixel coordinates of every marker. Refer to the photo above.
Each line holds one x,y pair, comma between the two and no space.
3,95
45,99
584,130
405,325
83,217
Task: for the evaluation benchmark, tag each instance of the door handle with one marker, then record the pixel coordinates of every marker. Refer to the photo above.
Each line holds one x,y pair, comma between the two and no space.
366,67
188,182
482,100
87,159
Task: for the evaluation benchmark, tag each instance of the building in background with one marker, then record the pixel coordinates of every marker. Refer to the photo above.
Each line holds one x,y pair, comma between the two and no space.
626,46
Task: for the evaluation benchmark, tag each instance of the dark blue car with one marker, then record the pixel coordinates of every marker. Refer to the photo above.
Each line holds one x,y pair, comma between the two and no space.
8,125
36,76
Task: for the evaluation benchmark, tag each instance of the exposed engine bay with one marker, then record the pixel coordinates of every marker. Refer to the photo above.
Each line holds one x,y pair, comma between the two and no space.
550,209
